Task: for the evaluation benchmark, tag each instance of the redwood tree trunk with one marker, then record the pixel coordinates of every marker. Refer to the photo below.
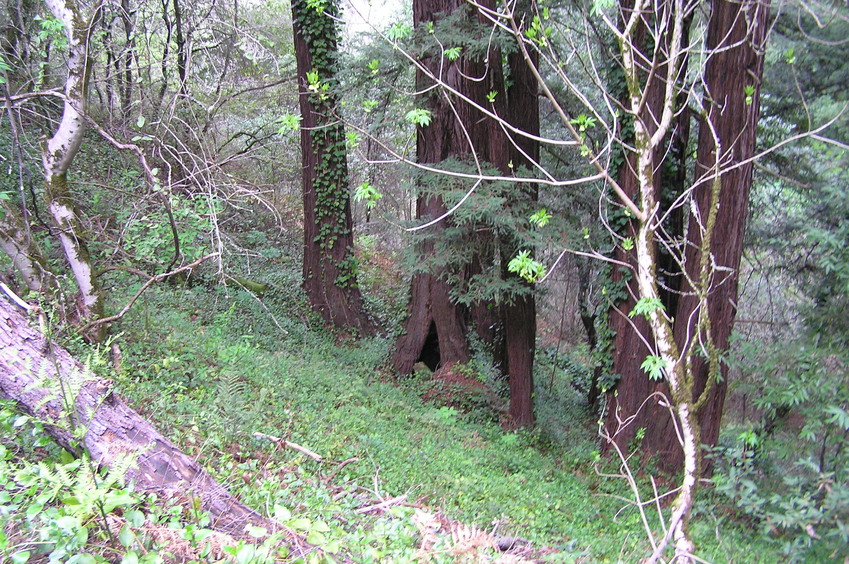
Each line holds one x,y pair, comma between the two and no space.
632,341
736,39
736,35
521,109
330,267
435,330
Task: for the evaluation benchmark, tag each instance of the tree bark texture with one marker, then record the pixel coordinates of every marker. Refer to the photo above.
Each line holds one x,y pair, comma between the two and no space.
330,267
736,35
435,329
48,384
518,314
737,40
459,130
58,154
27,258
633,341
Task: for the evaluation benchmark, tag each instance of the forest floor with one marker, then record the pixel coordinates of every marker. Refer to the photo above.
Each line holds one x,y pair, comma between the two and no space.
399,456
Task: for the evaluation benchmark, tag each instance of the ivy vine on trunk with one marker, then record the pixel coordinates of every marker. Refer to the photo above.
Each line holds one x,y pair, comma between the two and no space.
330,267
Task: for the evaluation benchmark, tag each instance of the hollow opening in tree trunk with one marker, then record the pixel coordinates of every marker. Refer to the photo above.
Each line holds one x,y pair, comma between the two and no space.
430,350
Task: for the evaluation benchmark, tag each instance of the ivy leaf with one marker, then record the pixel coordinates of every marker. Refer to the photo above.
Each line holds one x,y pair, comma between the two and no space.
653,366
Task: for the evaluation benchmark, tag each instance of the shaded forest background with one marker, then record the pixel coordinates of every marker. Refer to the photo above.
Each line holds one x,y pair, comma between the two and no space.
399,246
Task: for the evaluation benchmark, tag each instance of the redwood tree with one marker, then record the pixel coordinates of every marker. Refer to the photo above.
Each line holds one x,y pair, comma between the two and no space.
330,267
520,108
435,329
726,143
470,85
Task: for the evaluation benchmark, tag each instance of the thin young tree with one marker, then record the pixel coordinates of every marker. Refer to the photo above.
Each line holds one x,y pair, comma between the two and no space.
704,307
59,151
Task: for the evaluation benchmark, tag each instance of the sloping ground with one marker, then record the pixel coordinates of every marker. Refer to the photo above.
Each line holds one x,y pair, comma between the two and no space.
210,369
229,374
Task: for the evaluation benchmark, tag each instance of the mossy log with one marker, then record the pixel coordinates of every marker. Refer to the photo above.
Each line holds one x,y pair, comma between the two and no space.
43,378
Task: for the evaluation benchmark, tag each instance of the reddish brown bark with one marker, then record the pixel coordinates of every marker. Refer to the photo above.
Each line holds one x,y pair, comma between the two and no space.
518,315
329,267
435,330
737,38
457,129
736,34
632,337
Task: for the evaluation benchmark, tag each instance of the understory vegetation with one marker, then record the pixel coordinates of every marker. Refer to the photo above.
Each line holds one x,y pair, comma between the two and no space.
210,369
224,372
596,313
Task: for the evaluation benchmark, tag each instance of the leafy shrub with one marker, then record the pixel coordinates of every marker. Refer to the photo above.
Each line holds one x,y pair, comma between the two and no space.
789,471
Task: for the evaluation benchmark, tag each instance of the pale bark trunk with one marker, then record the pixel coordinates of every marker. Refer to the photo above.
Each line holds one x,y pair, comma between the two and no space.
649,134
59,152
47,383
27,258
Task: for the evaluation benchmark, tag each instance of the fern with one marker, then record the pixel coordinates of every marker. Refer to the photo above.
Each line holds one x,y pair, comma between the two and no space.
230,401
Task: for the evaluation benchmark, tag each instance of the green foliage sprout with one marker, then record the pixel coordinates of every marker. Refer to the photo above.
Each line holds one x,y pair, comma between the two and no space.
653,366
526,267
453,53
419,117
645,307
540,218
368,193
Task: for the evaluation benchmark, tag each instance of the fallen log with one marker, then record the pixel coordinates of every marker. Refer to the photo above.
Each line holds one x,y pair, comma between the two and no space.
51,386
